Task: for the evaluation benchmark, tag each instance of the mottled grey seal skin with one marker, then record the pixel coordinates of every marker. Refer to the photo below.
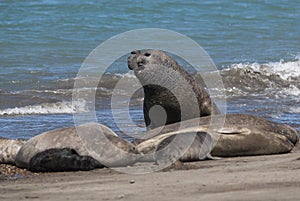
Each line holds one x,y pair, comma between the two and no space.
168,85
247,135
241,135
250,142
65,160
60,139
184,138
179,147
9,149
109,149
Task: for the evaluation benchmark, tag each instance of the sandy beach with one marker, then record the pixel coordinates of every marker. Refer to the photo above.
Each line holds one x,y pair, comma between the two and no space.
65,63
273,177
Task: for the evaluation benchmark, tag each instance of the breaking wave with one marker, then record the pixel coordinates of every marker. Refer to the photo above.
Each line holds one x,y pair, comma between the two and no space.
274,78
46,108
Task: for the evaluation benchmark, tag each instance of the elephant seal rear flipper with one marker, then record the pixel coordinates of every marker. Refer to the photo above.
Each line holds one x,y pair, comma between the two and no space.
9,149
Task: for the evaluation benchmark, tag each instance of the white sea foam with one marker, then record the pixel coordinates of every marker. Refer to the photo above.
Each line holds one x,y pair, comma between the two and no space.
47,108
285,70
129,74
277,78
292,90
295,109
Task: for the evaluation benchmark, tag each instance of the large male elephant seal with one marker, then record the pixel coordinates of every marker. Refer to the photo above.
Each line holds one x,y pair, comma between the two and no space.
66,145
166,88
241,135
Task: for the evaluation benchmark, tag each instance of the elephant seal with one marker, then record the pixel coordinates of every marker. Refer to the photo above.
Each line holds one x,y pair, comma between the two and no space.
68,138
185,147
65,160
148,147
9,149
246,135
241,135
166,85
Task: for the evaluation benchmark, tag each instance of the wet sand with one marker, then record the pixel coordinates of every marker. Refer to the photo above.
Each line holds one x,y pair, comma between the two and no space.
273,177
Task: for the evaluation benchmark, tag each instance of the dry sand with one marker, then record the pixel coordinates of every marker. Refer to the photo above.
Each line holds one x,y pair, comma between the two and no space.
274,177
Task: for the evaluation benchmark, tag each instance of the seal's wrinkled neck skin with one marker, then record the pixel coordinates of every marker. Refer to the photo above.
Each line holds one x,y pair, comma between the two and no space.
176,95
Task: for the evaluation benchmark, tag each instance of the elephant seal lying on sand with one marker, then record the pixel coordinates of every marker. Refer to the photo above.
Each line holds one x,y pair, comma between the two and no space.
241,135
166,88
54,160
64,144
186,145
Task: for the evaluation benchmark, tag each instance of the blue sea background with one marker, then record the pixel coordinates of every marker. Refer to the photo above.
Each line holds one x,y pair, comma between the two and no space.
254,44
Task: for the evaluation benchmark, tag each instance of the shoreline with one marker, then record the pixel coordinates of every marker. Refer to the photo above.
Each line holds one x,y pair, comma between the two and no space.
266,177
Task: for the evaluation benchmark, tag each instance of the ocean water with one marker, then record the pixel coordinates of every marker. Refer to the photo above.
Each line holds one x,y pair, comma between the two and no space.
254,44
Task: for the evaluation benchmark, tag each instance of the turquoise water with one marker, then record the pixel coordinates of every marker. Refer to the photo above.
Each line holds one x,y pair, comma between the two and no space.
43,44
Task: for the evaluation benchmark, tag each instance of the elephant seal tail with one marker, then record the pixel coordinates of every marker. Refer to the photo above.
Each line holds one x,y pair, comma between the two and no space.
9,149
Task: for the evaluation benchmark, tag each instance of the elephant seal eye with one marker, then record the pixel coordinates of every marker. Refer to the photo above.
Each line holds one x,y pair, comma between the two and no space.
147,54
135,52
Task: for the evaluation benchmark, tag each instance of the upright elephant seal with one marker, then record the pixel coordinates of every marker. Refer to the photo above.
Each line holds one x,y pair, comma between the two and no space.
241,135
65,144
166,88
9,149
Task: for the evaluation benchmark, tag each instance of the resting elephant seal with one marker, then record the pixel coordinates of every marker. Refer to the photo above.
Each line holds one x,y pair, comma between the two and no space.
241,135
65,160
166,88
112,152
185,147
189,140
246,135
